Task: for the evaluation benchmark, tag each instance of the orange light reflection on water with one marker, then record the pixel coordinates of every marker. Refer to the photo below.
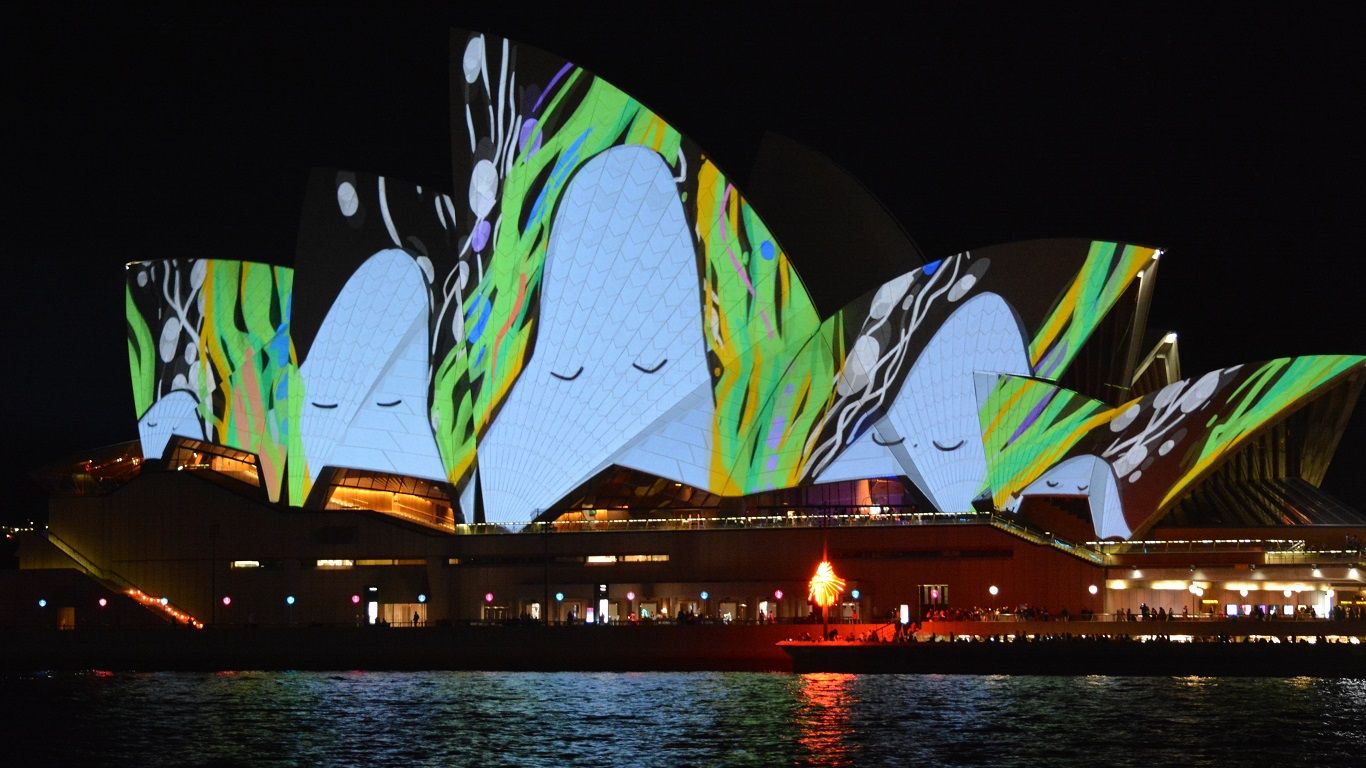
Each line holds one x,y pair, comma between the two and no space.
823,717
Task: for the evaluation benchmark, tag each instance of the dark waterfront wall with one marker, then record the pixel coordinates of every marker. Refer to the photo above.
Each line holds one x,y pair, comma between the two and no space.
176,533
1054,648
510,647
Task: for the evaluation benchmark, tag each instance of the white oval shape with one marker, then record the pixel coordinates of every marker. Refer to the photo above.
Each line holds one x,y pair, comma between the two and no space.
170,339
1201,392
961,288
483,188
347,200
861,360
473,60
1122,421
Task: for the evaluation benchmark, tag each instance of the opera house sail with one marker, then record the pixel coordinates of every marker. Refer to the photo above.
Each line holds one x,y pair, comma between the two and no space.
597,326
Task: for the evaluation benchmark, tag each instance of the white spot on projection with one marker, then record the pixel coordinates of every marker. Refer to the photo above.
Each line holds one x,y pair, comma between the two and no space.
1135,476
1201,392
961,288
180,382
483,188
473,60
1122,421
1131,459
371,349
170,339
1165,448
428,271
198,272
620,289
347,199
1167,395
142,278
888,295
191,353
862,359
937,405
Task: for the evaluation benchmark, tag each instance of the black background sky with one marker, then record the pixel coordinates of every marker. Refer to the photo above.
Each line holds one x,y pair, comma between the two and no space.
1232,137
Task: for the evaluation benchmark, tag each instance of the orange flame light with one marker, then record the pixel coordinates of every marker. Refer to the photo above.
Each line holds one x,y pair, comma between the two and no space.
825,585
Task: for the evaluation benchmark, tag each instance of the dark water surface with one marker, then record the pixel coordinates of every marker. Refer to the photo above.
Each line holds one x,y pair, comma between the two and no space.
685,719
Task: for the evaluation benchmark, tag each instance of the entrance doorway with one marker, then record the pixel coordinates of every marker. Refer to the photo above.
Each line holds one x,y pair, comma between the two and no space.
404,614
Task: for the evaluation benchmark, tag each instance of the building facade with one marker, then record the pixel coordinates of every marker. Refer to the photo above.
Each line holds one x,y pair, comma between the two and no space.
593,384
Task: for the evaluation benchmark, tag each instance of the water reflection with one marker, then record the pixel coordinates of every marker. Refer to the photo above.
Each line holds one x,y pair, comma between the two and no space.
823,717
668,720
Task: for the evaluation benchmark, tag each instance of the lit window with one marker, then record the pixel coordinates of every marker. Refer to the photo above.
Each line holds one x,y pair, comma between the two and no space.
611,559
370,563
245,564
336,563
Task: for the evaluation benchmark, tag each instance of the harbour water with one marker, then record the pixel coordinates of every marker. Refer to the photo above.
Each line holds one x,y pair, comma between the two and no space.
675,719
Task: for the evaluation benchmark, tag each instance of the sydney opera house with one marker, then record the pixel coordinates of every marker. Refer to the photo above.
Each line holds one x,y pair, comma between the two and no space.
591,385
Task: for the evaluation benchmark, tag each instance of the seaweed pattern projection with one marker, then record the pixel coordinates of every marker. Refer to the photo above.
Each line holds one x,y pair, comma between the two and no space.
224,338
1158,445
522,158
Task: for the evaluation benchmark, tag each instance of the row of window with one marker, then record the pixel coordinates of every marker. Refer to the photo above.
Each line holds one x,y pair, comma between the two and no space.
343,563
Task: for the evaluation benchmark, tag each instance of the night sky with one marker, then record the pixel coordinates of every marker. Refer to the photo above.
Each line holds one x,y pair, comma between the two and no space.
1234,142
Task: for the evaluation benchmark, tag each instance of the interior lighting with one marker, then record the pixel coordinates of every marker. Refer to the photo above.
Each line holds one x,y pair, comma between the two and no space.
488,597
777,594
42,602
559,597
993,590
421,598
289,600
355,599
227,600
1093,589
165,601
630,595
705,594
103,602
854,594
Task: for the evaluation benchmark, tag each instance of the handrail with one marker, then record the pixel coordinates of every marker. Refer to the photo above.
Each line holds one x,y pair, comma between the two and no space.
116,583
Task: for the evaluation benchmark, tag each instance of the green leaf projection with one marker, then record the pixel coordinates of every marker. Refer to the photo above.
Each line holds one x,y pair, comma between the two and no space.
1150,449
223,351
598,293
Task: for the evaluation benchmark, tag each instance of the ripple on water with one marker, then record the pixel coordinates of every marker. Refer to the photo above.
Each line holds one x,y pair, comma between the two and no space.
673,719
